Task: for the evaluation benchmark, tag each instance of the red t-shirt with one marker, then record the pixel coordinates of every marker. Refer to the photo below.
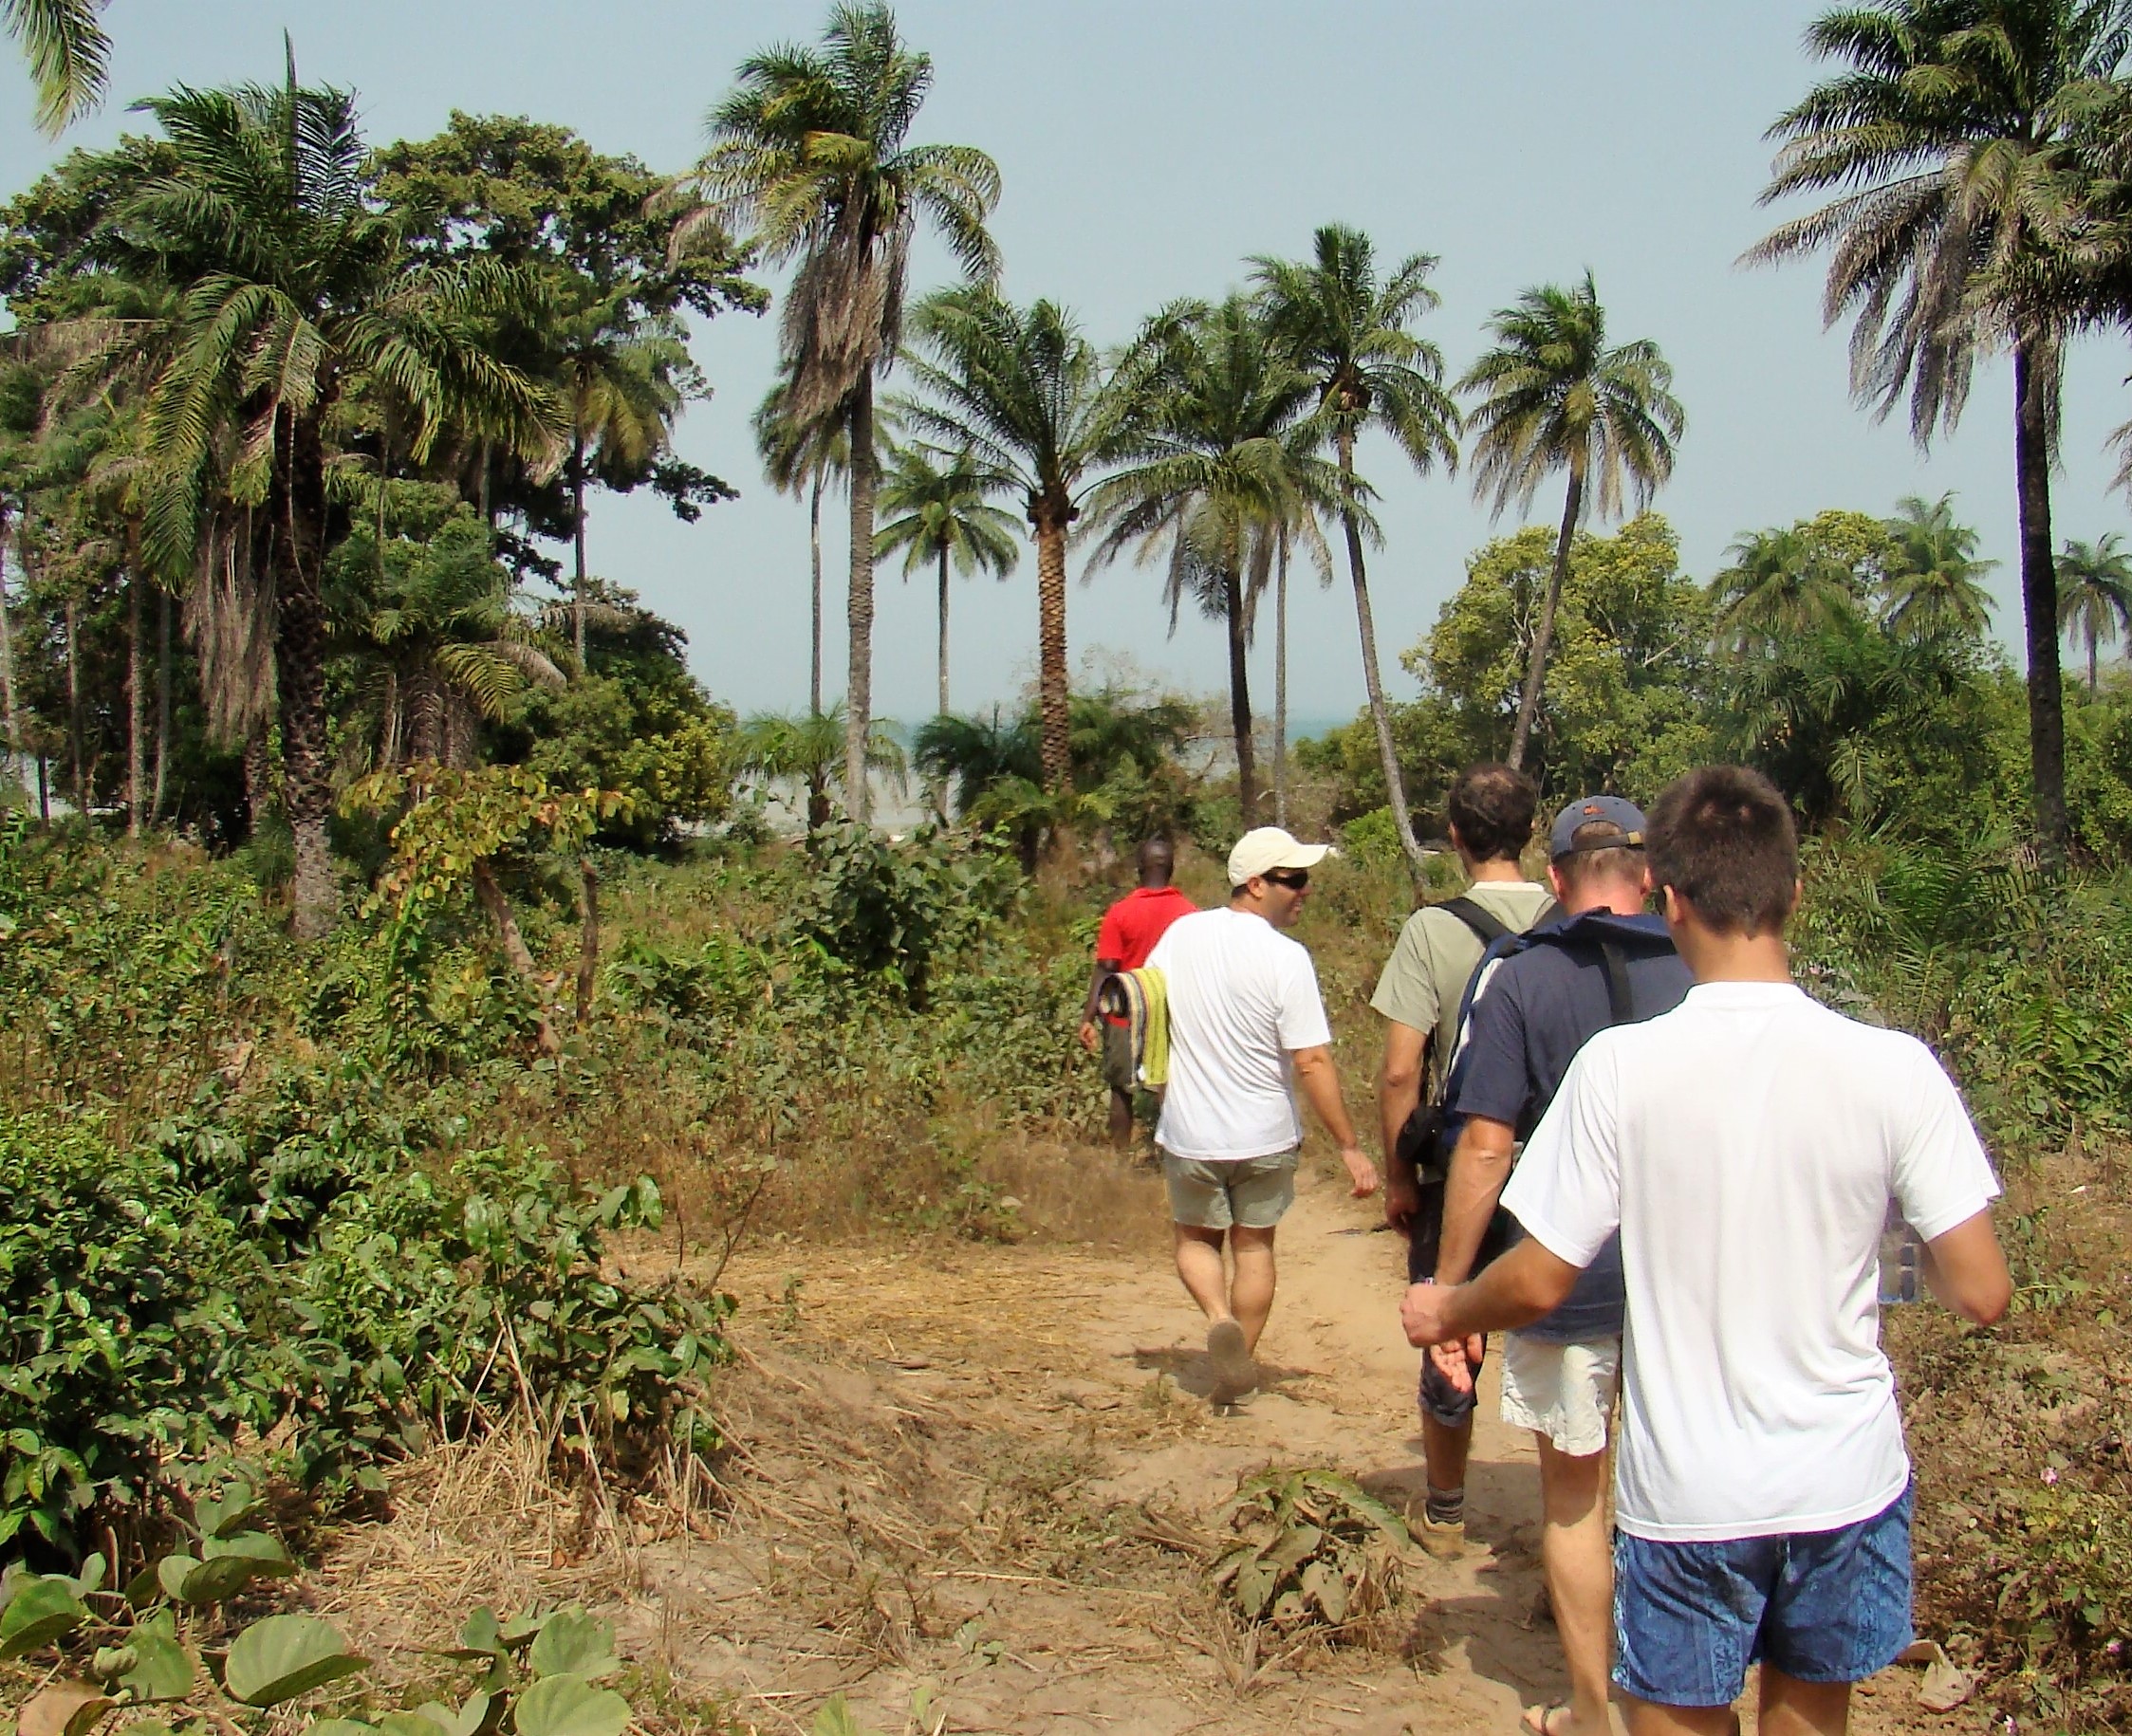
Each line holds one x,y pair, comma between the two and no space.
1133,925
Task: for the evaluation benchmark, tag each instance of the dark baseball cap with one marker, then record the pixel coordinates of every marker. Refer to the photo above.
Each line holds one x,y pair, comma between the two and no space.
1615,810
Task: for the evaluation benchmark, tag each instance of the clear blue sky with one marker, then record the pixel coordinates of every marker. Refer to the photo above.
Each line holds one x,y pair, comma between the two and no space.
1148,147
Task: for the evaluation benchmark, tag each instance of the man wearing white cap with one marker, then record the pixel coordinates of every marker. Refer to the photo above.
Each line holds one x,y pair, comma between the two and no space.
1247,1027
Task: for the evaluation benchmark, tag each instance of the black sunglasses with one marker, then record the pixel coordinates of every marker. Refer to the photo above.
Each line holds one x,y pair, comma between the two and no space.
1295,880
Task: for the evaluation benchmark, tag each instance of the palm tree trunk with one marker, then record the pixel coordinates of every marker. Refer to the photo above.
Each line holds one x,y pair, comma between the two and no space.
1379,714
1543,634
2039,602
137,708
300,648
859,679
11,743
577,539
814,548
74,706
2091,672
162,703
1281,685
1240,700
1054,706
943,631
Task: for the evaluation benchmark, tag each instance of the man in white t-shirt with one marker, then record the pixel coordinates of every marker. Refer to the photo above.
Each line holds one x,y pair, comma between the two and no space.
1747,1146
1245,1021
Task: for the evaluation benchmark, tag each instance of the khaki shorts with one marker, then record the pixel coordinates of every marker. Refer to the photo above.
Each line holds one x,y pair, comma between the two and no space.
1565,1391
1246,1193
1118,1072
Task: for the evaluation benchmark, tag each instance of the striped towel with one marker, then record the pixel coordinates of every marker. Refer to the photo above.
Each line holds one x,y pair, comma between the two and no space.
1141,998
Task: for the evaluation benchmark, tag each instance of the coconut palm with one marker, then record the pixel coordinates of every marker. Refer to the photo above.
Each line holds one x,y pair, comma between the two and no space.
1220,453
2095,594
1348,331
297,298
939,514
1022,391
972,754
1556,397
810,155
69,55
1950,140
800,459
1779,585
1931,581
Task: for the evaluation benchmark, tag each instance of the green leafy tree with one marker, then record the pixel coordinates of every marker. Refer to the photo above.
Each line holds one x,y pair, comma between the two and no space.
809,751
1950,139
1022,392
297,295
1347,330
69,55
810,157
1781,582
971,754
1932,578
938,514
2095,595
1554,396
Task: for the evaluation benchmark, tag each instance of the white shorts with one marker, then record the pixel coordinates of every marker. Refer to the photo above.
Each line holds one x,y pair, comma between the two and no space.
1565,1391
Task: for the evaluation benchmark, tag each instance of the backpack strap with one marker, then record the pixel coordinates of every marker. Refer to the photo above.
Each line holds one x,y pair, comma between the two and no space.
1487,927
1621,993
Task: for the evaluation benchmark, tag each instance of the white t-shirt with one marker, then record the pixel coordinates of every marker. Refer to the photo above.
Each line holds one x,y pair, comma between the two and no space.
1242,995
1747,1144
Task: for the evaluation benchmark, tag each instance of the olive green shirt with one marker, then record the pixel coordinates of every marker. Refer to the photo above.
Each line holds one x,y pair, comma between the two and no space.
1425,978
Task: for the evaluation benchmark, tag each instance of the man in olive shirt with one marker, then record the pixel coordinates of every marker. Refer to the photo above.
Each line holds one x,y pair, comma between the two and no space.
1489,812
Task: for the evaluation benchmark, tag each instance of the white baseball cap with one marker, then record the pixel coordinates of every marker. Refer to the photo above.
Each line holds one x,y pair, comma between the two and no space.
1270,847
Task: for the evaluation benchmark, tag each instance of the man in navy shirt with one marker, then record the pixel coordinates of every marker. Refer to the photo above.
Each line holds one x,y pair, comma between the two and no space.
1603,962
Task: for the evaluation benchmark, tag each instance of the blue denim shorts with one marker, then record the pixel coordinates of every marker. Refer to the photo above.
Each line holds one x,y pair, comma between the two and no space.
1822,1606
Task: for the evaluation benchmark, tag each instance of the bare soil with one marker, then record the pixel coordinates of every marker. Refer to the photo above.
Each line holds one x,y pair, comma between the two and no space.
971,1488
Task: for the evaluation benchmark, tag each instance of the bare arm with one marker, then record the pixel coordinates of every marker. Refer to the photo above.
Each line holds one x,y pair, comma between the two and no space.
1398,1091
1104,968
1480,1165
1515,1291
1967,1270
1319,1082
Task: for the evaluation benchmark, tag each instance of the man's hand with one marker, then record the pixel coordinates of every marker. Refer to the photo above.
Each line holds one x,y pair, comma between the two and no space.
1360,1171
1457,1360
1423,1312
1088,1035
1402,1200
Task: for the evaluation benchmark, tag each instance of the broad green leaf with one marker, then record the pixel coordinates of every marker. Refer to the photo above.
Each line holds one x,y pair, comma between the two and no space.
239,1503
1323,1586
1295,1547
90,1578
66,1707
286,1656
41,1611
329,1726
162,1669
572,1643
171,1572
269,1558
480,1635
469,1720
569,1706
835,1718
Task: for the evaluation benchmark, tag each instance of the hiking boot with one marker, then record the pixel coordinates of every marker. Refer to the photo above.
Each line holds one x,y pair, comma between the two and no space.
1235,1374
1444,1540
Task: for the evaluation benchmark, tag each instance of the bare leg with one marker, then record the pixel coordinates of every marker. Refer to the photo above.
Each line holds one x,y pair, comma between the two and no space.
1250,1292
1120,1118
1648,1718
1792,1708
1443,1451
1580,1575
1200,1266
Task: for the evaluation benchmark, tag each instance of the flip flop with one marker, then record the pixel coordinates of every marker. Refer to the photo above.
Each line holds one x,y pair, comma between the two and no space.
1541,1726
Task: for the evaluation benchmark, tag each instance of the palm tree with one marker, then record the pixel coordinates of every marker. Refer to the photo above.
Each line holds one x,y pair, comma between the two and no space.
1951,140
69,55
939,513
810,751
1780,585
808,153
1220,453
2095,594
1556,397
1349,333
972,754
1932,579
296,297
1022,391
800,459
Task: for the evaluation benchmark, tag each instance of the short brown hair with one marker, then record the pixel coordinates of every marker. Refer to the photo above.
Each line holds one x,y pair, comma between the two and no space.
1491,806
1597,856
1723,838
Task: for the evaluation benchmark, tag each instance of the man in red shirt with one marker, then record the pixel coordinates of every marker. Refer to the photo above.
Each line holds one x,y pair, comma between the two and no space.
1130,929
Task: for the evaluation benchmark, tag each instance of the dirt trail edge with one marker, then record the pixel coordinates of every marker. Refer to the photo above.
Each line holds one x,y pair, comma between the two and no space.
934,1448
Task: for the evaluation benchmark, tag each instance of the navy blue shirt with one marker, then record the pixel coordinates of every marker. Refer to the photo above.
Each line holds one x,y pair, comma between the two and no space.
1535,1011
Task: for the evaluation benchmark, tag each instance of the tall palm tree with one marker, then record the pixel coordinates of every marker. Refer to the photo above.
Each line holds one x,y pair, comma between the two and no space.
1555,397
2095,594
1022,392
801,458
1780,585
1220,452
1950,140
810,155
69,55
938,513
1348,331
296,297
1932,581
